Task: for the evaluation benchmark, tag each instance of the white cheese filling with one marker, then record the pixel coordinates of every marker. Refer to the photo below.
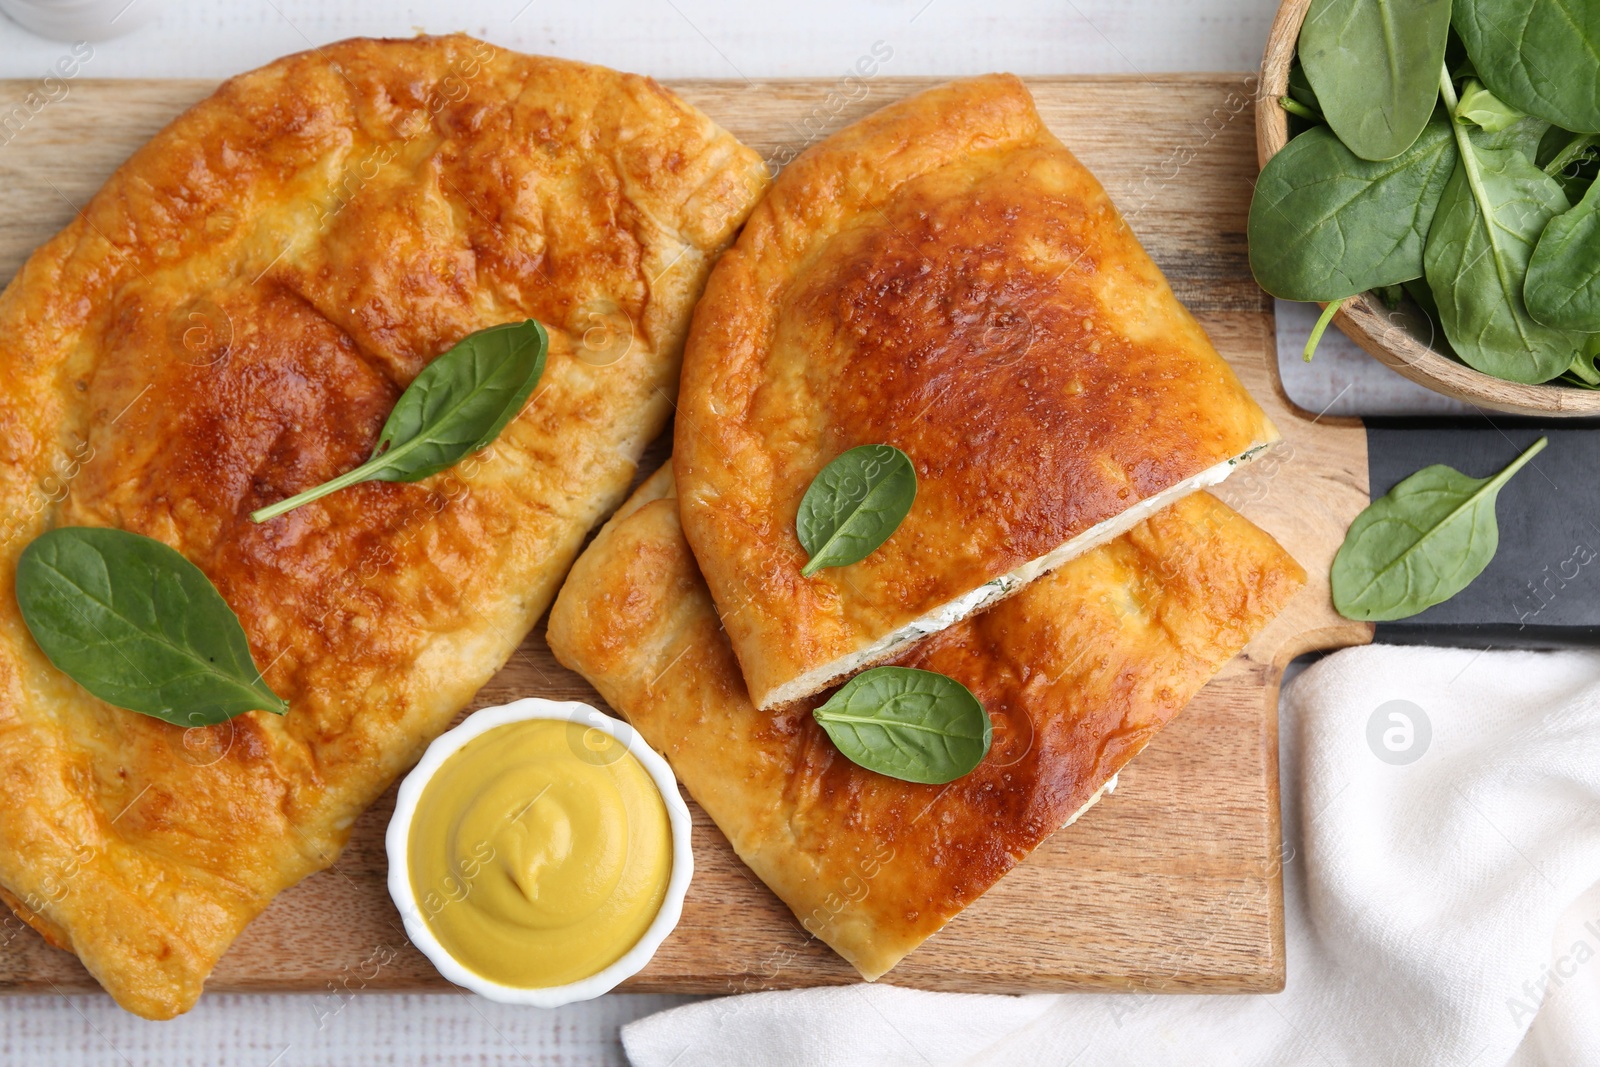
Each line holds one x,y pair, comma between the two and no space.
1109,787
976,600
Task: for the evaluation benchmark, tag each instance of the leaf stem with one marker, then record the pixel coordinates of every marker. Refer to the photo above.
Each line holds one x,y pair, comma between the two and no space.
1469,156
316,492
1517,464
875,720
1297,109
1579,146
1328,312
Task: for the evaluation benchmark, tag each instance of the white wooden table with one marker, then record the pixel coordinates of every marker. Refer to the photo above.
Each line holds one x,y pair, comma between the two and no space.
666,38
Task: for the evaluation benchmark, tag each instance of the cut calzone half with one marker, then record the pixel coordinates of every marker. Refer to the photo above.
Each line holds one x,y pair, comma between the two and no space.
943,277
1078,672
227,323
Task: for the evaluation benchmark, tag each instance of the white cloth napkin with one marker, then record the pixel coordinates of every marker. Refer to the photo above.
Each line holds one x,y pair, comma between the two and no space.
1442,905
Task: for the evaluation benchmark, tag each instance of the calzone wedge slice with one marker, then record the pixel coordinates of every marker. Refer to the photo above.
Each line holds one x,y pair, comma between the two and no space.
944,277
1078,671
228,322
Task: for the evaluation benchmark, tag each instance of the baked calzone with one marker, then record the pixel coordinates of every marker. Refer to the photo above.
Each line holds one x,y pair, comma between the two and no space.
946,278
228,322
1078,672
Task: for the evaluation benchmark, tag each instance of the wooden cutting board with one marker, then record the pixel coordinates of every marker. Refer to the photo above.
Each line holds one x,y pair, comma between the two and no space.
1172,883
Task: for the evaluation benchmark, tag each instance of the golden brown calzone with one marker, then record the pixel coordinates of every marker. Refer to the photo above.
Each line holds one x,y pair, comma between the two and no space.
228,322
944,277
1078,672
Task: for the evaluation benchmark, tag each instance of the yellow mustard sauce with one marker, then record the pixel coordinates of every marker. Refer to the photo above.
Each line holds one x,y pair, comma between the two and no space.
540,853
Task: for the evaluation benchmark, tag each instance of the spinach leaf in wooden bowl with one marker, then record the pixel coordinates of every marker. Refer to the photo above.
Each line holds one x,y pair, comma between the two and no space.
1437,195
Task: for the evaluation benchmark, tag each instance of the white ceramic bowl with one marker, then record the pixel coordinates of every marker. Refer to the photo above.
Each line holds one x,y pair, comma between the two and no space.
399,837
82,20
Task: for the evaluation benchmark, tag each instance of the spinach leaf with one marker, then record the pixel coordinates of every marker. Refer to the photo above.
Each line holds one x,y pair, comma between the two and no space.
1300,90
1421,543
1483,109
1583,372
456,406
1301,101
1524,135
1563,286
1326,224
1490,216
854,504
1539,56
1417,289
139,626
914,725
1373,64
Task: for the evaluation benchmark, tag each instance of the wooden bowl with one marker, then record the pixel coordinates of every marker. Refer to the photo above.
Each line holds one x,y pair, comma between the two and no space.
1401,338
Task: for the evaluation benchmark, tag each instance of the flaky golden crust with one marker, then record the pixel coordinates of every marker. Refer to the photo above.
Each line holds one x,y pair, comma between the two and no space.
945,277
228,322
1078,672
